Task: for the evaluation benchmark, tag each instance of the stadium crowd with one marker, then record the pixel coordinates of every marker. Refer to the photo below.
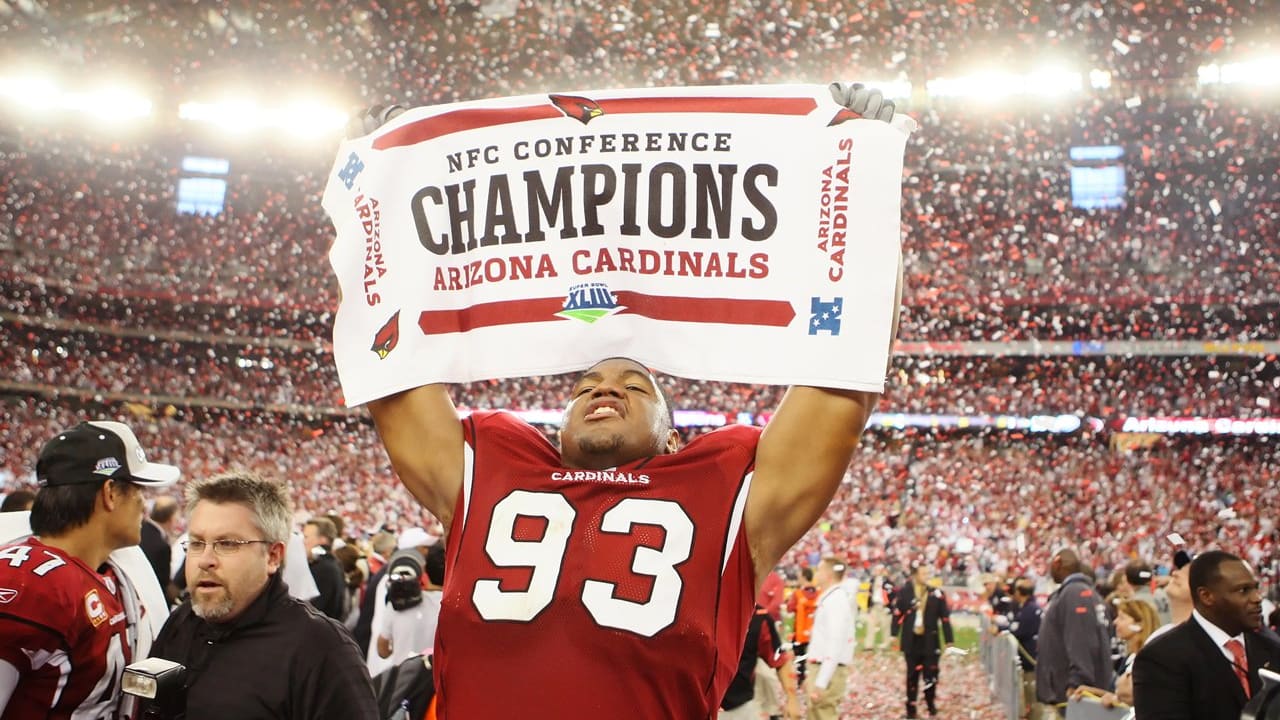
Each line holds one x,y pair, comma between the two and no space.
207,372
209,333
1013,498
995,251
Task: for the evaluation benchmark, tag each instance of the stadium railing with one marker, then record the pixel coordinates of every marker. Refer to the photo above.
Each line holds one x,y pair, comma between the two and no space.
1091,709
1004,670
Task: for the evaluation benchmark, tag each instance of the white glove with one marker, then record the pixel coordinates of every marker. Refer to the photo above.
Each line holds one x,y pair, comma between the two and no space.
371,118
869,103
865,101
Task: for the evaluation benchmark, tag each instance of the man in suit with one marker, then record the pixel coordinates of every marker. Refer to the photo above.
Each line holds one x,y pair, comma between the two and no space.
157,533
1207,667
918,611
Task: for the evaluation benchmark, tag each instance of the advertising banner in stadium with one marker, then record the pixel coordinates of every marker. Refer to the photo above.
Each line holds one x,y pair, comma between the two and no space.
744,234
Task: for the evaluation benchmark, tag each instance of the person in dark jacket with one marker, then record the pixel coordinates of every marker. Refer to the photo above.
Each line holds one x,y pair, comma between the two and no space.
318,535
250,649
157,533
1074,645
763,643
1025,628
918,611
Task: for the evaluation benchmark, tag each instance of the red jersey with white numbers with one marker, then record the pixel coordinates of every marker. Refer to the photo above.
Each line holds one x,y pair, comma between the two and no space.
63,627
622,593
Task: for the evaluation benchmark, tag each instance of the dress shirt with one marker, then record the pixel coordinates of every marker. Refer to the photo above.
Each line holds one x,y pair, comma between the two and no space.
832,641
1219,637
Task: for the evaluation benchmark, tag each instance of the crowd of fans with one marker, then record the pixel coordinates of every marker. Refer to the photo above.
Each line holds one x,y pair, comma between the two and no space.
255,376
223,319
993,252
445,51
978,501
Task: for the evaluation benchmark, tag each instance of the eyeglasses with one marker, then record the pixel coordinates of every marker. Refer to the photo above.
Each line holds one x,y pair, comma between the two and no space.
221,548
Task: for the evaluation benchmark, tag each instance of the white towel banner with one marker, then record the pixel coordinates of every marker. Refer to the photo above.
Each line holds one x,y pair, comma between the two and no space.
743,234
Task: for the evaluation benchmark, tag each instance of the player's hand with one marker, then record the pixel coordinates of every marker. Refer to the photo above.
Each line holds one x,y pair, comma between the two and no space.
866,102
368,119
792,710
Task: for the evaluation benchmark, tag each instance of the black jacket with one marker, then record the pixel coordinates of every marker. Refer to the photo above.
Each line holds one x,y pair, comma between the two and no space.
332,584
280,660
156,547
742,688
1182,675
905,607
364,622
1025,628
1074,644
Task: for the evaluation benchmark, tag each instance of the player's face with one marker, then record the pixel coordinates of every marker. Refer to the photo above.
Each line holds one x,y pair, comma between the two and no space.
130,508
616,416
222,586
1236,598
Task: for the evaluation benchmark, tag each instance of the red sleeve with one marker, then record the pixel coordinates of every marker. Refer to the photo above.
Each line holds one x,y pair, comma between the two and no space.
37,611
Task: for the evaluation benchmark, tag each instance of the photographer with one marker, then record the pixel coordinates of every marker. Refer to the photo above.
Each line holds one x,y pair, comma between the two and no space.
409,625
249,648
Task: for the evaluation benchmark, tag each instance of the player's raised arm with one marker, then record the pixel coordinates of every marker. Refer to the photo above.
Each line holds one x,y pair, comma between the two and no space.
801,459
423,437
419,427
808,445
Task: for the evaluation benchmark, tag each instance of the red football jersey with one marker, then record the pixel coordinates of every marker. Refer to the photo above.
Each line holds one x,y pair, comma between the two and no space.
622,593
63,627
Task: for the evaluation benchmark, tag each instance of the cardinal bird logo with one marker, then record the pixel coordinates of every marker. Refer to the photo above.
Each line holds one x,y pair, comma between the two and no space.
843,115
387,338
584,110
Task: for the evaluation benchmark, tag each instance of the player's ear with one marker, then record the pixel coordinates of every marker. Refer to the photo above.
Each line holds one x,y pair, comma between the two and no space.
112,494
673,441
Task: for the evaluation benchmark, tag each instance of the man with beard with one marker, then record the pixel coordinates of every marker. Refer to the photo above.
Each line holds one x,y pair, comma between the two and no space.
251,650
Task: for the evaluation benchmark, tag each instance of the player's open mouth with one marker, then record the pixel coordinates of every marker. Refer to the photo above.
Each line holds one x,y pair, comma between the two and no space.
208,584
604,411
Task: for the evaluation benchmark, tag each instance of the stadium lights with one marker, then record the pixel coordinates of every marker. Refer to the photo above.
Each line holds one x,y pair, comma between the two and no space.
38,94
302,119
894,89
999,85
1263,71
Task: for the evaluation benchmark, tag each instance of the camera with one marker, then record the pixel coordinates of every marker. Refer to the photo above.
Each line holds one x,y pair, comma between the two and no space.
158,687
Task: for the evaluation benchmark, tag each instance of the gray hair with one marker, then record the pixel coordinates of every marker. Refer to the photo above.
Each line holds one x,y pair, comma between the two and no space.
268,501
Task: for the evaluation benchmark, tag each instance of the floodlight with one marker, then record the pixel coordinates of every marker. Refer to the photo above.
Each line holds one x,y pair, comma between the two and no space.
1263,71
309,119
234,116
108,104
32,93
997,85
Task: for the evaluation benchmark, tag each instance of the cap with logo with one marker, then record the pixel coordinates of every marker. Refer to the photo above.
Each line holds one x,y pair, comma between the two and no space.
96,451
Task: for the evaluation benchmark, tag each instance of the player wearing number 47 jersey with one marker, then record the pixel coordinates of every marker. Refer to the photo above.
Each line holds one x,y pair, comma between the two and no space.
65,631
